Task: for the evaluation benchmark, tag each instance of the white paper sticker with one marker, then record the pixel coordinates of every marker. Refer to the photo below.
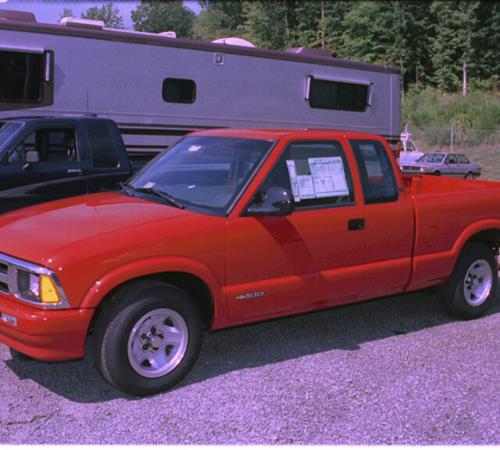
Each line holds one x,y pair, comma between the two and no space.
194,148
292,172
306,186
327,179
329,176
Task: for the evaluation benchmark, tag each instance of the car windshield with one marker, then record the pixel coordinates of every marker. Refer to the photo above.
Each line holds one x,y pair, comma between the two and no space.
8,130
206,171
432,158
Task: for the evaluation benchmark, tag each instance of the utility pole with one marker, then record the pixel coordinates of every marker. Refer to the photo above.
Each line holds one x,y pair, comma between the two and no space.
464,91
322,24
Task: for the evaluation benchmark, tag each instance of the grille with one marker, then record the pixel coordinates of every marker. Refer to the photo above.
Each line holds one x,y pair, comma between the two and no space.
4,276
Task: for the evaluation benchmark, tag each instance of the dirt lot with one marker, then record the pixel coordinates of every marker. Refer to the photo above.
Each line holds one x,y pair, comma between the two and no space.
391,371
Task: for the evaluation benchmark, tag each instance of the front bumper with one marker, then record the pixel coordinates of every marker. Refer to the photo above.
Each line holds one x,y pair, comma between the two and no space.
50,335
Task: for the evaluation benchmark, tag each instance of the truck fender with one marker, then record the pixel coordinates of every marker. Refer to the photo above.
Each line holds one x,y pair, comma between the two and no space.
140,268
470,231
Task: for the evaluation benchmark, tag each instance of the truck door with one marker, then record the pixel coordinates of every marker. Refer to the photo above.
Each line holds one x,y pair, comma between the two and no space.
388,220
308,259
46,153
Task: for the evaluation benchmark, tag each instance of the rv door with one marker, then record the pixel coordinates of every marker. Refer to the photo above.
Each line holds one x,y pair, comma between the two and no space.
27,79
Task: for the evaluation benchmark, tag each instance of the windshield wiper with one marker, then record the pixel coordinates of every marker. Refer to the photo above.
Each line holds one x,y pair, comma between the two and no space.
151,190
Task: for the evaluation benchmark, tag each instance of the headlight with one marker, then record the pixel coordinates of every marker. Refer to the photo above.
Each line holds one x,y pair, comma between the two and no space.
424,169
38,287
31,283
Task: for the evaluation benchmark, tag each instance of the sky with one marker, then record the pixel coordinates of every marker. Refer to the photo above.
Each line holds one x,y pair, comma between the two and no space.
49,11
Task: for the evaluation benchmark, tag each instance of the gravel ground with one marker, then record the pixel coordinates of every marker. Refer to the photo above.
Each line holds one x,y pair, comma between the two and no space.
391,371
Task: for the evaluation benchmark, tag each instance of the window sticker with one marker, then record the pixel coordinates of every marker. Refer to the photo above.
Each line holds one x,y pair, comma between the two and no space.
326,178
292,172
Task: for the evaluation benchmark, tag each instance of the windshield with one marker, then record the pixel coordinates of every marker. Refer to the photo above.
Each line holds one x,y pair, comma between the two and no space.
432,158
8,130
207,171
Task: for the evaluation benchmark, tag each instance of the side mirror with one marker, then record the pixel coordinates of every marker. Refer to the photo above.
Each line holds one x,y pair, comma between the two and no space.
277,201
32,156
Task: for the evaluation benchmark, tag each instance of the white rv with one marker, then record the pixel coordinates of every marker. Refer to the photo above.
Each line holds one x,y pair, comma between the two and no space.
158,88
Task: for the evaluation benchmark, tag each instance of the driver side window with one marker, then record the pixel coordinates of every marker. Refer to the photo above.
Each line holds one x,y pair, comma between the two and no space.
315,172
18,154
52,145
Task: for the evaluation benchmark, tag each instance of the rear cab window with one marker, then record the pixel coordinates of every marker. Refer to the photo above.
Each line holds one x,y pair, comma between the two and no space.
376,171
315,172
102,146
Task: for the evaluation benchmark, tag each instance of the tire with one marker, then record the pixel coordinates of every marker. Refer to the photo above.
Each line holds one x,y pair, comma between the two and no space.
148,337
468,175
471,289
437,173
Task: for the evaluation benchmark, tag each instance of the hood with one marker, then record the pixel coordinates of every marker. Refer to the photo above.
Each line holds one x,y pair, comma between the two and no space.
37,233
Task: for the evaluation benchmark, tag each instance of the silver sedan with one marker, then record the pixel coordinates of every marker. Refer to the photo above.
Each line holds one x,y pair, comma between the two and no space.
441,163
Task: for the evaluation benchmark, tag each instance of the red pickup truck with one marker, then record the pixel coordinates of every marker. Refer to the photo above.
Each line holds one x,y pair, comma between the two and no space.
231,227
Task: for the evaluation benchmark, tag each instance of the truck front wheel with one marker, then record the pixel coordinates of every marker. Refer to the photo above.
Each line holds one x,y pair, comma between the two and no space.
472,286
148,337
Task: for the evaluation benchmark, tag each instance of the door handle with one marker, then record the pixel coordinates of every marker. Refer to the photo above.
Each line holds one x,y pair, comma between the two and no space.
75,171
356,224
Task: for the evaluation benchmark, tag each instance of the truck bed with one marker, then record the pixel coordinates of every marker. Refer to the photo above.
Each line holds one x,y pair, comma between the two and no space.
439,230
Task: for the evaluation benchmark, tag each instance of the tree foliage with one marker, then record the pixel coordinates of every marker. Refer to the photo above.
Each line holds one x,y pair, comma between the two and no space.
219,18
108,13
66,12
156,16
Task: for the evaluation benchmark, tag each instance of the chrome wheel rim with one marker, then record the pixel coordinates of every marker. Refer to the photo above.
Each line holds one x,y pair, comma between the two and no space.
157,343
478,282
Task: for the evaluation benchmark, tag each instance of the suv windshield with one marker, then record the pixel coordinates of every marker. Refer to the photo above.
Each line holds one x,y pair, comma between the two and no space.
207,171
8,130
432,158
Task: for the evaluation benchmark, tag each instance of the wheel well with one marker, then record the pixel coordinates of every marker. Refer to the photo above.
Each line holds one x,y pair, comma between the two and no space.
489,237
195,287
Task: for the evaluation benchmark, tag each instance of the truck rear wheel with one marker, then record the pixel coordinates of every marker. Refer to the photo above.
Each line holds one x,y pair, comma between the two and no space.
472,286
148,337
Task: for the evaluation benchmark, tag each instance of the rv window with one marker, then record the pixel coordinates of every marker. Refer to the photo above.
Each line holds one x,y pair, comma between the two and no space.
101,144
22,76
178,90
327,94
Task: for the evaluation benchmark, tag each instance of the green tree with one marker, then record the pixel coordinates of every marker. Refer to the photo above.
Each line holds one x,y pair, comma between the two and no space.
374,32
415,28
155,17
484,63
454,24
109,14
319,23
219,18
67,12
270,24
